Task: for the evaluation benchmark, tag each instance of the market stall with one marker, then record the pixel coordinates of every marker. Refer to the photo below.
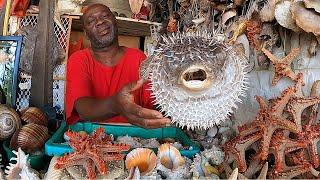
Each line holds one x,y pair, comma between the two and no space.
239,81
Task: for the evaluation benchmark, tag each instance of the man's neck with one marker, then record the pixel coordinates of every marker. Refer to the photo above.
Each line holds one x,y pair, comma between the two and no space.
110,55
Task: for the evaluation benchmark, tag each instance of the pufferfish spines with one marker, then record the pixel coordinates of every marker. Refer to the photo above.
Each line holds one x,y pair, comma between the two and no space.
196,78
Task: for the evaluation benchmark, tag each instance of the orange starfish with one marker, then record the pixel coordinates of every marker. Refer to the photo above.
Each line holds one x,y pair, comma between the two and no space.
282,66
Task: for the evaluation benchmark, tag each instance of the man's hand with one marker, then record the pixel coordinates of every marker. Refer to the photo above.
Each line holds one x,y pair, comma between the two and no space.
137,115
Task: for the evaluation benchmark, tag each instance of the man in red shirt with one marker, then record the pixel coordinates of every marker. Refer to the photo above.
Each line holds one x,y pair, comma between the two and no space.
103,81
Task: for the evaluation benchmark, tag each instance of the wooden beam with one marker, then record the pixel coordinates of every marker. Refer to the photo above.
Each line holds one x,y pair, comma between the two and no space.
42,70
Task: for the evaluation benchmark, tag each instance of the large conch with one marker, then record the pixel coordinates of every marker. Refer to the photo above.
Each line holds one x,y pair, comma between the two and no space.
196,78
10,122
21,169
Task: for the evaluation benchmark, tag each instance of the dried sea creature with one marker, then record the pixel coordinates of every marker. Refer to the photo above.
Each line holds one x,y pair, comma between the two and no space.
196,78
267,11
32,137
34,115
306,19
21,169
143,158
10,122
284,17
172,25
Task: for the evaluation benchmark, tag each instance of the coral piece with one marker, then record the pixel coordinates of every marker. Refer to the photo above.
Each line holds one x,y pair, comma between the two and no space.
282,66
91,151
21,169
196,78
10,122
143,158
34,115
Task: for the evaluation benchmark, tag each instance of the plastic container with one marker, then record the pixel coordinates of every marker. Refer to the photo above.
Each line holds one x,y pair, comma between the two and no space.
55,146
36,161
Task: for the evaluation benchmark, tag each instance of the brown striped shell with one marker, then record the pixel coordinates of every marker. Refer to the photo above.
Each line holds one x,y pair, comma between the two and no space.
34,115
10,122
32,137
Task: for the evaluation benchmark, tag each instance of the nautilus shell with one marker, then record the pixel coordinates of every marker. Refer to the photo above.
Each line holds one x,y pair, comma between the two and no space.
196,78
34,115
10,122
32,137
143,158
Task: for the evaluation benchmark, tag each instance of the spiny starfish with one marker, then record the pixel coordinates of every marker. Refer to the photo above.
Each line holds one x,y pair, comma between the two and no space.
235,149
90,151
282,66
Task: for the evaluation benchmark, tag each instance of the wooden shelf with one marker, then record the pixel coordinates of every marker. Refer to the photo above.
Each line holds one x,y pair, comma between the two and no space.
126,26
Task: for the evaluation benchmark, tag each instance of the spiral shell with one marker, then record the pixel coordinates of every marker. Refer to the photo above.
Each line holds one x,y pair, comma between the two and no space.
34,115
32,137
10,122
143,158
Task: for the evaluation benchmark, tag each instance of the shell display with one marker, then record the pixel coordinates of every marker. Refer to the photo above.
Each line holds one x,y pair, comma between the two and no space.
196,78
143,158
10,122
32,137
21,169
34,115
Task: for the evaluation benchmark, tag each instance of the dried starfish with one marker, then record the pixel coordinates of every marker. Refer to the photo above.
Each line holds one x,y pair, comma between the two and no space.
290,172
91,151
282,66
236,147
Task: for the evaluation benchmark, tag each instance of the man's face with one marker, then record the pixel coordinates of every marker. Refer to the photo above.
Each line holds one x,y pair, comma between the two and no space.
100,26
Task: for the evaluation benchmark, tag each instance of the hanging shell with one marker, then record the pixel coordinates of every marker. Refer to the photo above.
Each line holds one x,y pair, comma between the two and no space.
10,122
32,137
21,169
34,115
312,4
145,159
170,157
284,17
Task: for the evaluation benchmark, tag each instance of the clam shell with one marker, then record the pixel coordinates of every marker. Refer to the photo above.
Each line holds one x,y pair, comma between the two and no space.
34,115
10,122
145,159
284,17
267,12
32,137
170,157
312,4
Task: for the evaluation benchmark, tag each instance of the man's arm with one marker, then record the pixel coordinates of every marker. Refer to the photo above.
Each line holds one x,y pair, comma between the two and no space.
120,104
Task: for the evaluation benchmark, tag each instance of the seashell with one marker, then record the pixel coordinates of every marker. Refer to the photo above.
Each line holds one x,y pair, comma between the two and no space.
134,173
228,15
170,157
34,115
312,4
284,17
32,137
10,122
306,19
52,173
212,131
267,12
21,169
14,140
145,159
234,174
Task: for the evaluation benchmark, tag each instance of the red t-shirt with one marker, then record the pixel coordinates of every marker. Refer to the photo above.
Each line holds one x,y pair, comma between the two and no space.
87,77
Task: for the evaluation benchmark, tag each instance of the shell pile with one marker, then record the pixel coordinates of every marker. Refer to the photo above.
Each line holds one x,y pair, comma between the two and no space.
196,78
34,115
10,122
143,158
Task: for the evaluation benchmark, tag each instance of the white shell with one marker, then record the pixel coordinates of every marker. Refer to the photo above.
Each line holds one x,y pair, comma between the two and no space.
314,4
52,173
212,131
10,122
284,17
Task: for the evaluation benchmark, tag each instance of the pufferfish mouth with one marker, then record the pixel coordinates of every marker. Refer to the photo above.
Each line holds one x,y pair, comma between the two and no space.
195,78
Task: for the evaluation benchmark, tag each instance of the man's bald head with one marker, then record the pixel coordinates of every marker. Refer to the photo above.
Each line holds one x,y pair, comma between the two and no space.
100,26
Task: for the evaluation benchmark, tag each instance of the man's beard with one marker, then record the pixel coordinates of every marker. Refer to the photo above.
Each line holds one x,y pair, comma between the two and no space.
104,41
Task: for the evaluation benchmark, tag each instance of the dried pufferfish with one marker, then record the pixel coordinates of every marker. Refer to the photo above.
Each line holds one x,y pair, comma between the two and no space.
196,78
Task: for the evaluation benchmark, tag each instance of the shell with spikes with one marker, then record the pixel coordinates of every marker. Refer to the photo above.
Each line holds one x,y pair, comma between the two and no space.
196,78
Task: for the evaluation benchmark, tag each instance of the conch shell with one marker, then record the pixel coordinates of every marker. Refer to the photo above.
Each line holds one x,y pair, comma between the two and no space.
32,137
284,17
170,157
10,122
143,158
34,115
306,19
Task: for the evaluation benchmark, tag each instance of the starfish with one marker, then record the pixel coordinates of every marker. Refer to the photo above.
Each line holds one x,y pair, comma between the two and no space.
91,151
236,147
282,66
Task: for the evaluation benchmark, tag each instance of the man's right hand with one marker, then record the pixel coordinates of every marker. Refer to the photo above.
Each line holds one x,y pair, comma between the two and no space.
124,105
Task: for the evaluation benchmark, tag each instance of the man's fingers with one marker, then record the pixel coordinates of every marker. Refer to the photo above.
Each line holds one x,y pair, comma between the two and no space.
133,86
152,123
147,113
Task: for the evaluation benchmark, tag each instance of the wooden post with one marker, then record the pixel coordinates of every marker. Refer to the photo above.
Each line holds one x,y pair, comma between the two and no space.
42,70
